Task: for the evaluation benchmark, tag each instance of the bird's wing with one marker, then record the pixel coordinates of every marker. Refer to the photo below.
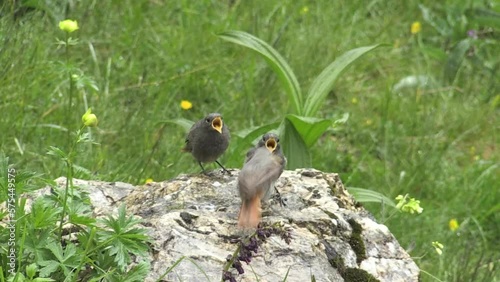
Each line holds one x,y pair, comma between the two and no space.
250,154
259,172
189,145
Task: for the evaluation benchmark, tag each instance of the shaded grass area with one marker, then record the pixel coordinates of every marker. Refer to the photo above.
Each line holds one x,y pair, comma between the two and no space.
438,141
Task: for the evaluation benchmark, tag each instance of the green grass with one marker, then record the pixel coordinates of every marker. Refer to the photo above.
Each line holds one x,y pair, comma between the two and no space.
437,142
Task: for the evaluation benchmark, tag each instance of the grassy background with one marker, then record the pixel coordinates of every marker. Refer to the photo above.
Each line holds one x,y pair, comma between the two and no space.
438,142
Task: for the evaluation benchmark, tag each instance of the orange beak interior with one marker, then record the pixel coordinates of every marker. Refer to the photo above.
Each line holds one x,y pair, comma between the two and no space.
271,144
217,124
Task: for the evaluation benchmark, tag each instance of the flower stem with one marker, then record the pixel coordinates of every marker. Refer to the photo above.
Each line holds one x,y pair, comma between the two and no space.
70,92
69,180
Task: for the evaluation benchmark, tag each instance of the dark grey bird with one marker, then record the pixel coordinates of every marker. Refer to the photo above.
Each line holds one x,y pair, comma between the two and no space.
208,139
263,166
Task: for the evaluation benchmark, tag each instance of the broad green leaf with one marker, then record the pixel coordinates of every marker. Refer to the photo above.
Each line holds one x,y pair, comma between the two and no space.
455,59
182,122
322,85
310,129
275,61
247,136
365,196
293,146
254,132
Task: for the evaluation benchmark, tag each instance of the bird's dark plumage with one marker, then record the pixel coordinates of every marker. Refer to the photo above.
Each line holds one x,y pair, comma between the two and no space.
208,139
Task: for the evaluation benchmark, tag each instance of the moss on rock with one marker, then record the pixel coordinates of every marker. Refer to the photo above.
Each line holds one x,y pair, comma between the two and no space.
356,242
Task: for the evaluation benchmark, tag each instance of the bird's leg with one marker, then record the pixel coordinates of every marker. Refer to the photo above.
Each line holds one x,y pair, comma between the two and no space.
223,168
278,197
202,168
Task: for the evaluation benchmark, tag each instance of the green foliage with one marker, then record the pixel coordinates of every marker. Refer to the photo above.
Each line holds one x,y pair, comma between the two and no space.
455,59
325,81
274,59
123,238
60,260
463,29
299,132
412,127
182,122
38,240
363,195
108,245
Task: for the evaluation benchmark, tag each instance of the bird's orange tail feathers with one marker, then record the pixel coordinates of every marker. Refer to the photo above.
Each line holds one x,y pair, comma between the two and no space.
249,216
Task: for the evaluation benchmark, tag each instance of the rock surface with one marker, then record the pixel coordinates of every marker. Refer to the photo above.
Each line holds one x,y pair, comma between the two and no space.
195,217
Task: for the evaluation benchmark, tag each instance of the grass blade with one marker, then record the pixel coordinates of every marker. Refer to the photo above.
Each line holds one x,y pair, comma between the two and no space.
274,59
325,81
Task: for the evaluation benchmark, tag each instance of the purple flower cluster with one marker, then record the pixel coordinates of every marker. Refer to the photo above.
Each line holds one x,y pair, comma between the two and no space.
249,247
472,33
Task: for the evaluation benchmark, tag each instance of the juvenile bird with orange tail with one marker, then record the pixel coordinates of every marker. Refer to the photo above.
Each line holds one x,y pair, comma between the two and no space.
208,139
263,166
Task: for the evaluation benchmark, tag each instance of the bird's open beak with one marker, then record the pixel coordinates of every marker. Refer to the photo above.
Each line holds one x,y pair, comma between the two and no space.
271,144
217,124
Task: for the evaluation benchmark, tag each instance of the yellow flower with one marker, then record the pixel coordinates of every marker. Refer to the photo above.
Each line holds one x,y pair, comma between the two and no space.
416,27
368,122
186,105
149,180
453,224
89,119
409,205
68,25
438,247
354,100
304,10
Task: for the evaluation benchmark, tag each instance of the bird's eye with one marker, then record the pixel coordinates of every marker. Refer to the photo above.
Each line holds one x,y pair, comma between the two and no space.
207,120
263,138
277,140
